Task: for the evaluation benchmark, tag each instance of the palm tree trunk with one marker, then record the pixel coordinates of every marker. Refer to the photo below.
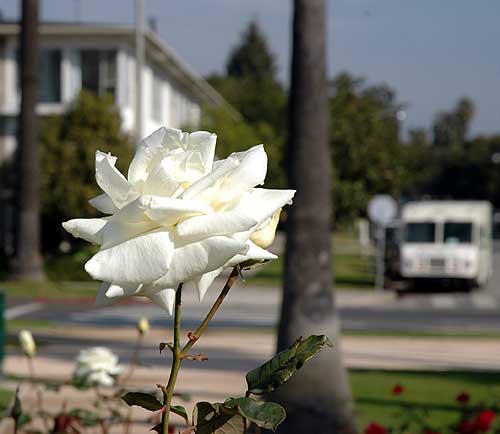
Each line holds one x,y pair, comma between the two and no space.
27,263
318,398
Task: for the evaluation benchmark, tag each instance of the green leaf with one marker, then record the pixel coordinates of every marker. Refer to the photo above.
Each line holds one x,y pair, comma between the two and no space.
280,368
179,410
144,400
16,411
217,419
23,419
267,415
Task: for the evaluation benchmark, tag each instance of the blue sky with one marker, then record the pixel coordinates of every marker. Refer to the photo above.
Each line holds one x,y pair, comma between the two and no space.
431,51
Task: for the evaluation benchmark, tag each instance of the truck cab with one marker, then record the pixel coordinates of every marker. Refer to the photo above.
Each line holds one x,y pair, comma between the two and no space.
447,240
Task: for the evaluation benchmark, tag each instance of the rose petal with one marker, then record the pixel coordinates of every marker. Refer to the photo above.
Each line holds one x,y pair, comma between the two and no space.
195,259
165,298
223,168
110,293
254,254
111,180
203,282
149,150
168,211
251,170
204,142
104,204
160,181
138,260
221,223
115,232
87,229
261,203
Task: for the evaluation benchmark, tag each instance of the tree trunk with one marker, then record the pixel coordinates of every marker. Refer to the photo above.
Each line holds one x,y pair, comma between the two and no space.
27,264
318,398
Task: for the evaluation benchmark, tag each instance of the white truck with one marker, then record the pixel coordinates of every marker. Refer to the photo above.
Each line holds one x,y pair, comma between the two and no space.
447,240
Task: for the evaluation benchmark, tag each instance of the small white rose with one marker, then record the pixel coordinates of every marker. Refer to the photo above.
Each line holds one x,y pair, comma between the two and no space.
27,343
143,326
178,217
96,366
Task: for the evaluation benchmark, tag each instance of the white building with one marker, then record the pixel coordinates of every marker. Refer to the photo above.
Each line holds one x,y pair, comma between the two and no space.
101,58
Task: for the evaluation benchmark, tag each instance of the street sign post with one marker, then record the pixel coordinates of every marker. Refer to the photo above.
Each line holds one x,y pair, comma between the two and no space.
381,210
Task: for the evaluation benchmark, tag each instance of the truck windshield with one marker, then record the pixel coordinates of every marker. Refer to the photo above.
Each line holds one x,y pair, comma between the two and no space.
457,232
422,232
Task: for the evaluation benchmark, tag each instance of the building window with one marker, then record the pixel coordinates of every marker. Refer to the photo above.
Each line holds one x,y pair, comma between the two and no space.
50,76
156,100
99,71
49,90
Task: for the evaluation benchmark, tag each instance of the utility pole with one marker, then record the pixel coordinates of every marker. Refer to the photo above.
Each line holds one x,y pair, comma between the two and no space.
139,66
318,398
27,263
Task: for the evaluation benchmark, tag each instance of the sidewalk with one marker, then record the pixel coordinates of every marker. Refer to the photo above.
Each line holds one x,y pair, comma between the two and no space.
230,351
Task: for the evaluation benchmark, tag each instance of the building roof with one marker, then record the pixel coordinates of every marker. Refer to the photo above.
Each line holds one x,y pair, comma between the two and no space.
158,49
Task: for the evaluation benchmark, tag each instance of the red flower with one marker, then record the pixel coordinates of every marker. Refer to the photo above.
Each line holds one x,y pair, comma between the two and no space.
465,427
463,398
484,420
375,428
398,389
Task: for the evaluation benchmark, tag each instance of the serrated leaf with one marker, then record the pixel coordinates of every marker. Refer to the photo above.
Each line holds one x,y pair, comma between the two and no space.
267,415
179,410
281,367
210,419
144,400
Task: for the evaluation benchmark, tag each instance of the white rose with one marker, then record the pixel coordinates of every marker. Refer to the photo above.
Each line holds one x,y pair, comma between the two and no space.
179,217
143,326
96,366
27,343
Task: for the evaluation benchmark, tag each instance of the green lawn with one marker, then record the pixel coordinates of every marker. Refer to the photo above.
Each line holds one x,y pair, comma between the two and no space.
50,289
430,392
5,399
352,268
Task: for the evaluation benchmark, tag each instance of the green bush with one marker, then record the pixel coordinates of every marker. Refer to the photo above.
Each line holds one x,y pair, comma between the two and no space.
68,146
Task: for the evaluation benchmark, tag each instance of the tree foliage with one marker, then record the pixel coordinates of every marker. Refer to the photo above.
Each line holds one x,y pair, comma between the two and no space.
252,58
68,145
452,165
366,150
451,128
251,86
237,135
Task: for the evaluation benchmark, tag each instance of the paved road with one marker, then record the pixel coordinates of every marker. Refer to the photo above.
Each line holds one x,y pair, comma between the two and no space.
251,307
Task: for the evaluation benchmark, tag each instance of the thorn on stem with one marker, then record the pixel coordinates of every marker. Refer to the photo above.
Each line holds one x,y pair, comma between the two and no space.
163,388
192,337
164,345
198,358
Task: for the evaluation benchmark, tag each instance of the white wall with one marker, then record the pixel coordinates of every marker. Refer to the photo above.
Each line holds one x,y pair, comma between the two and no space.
179,108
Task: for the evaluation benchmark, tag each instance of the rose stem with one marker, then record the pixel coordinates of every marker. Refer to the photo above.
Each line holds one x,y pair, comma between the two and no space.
176,362
199,331
179,355
134,360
